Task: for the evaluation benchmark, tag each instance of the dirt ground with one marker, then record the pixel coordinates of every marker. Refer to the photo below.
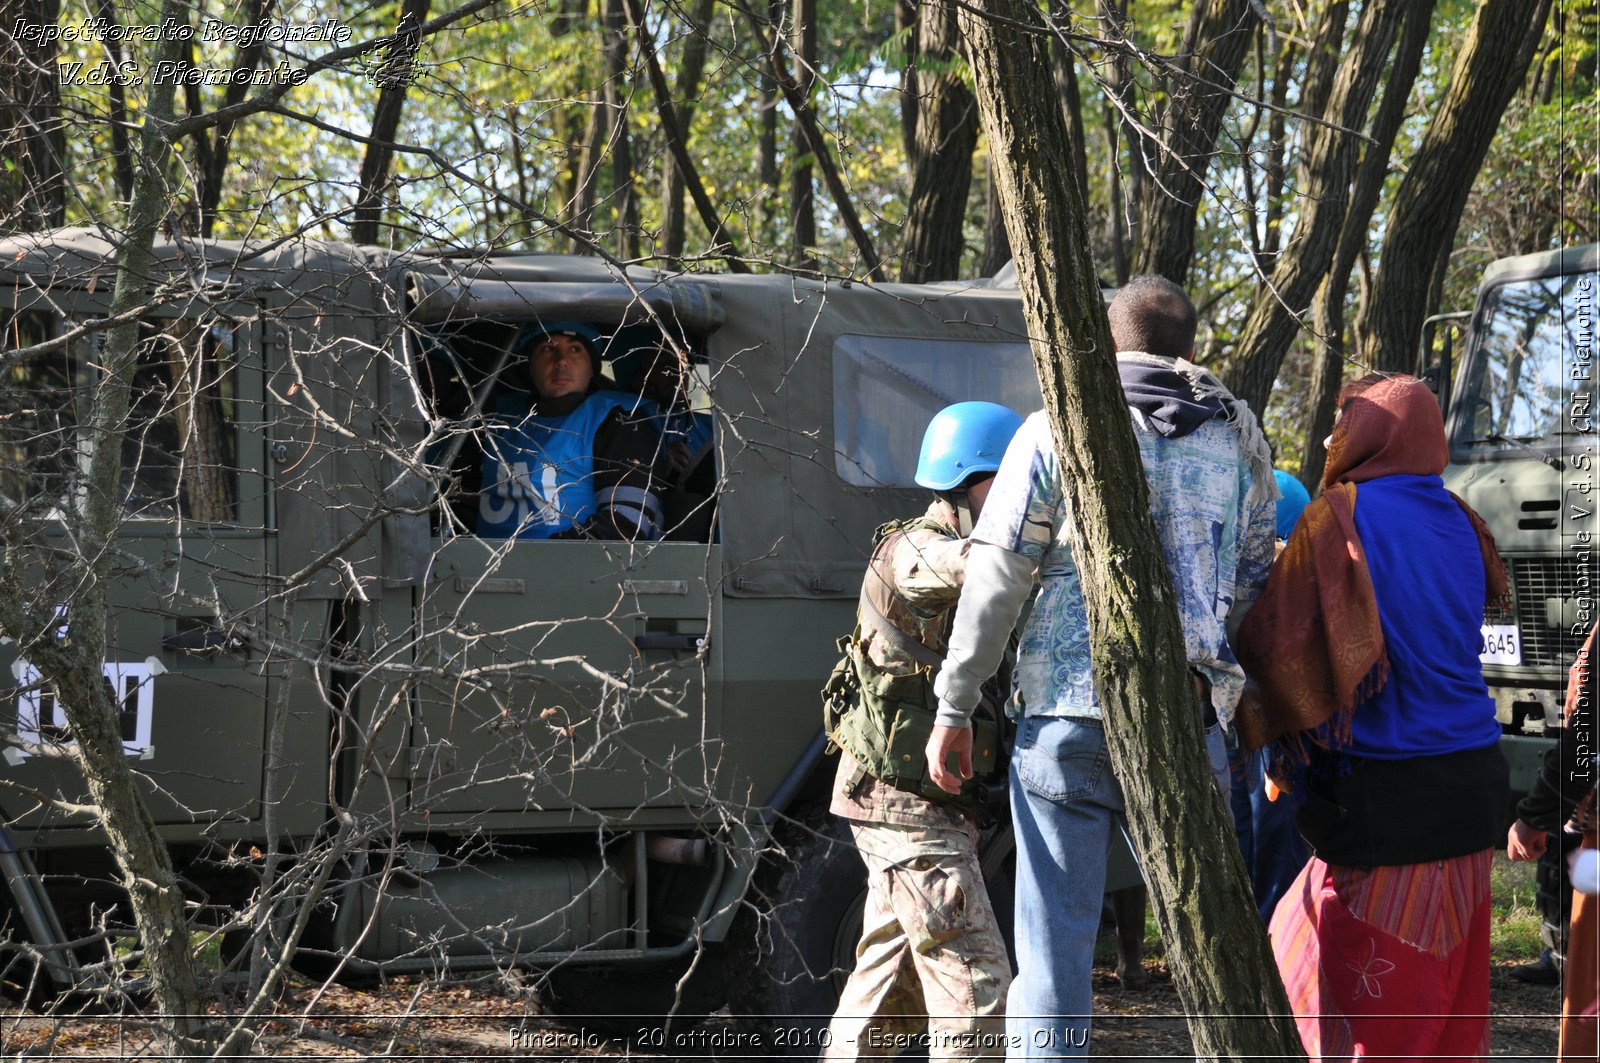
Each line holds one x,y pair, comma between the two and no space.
1149,1025
411,1021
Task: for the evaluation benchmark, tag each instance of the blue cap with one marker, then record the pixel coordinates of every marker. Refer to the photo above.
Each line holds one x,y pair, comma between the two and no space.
536,331
1294,501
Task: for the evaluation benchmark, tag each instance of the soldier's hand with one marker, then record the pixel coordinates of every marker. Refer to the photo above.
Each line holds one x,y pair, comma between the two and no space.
941,743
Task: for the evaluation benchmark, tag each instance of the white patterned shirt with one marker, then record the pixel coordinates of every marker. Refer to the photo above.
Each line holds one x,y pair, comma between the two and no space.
1218,549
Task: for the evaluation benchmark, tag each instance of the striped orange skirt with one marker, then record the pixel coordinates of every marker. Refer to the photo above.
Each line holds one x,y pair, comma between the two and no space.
1388,963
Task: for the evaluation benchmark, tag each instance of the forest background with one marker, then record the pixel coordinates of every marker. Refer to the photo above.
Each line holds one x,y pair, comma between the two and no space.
1250,150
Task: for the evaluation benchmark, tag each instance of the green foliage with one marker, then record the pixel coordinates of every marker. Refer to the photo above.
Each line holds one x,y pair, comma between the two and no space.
509,103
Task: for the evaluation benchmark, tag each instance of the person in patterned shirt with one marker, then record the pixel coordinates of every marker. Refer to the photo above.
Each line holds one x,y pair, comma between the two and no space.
1213,497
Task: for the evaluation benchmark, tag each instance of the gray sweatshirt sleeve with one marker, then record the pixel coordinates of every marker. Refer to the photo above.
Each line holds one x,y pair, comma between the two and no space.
998,584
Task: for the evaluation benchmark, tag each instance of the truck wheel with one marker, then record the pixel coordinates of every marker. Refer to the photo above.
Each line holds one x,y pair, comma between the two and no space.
24,977
795,942
796,945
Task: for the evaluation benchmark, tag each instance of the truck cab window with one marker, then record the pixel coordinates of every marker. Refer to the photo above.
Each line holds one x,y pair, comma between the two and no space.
1519,389
181,454
38,415
476,377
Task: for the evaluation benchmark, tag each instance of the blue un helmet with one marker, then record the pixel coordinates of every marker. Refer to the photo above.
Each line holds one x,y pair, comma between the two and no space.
967,438
1293,502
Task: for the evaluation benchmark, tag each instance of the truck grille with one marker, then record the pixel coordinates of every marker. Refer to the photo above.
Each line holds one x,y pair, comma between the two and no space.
1533,579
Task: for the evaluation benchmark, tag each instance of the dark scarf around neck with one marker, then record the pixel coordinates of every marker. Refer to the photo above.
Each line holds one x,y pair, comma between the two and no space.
1166,399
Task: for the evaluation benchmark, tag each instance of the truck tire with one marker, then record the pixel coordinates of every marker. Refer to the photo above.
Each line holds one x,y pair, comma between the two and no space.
23,979
26,981
794,944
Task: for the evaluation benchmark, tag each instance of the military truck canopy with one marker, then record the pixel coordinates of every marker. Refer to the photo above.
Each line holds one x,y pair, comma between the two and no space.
821,390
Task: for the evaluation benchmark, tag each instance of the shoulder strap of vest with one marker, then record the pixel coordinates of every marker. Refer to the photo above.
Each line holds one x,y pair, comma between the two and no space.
990,701
891,632
923,523
916,649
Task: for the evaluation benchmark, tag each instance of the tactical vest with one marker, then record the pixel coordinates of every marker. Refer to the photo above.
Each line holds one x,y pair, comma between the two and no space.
884,720
538,476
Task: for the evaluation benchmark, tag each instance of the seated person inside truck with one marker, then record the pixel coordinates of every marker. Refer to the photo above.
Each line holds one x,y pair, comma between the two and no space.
581,464
686,433
688,441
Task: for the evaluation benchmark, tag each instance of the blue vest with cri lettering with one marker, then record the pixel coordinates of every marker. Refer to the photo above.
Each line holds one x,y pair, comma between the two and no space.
538,475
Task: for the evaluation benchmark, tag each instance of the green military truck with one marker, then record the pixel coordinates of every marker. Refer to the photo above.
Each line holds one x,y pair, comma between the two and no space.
1523,453
355,720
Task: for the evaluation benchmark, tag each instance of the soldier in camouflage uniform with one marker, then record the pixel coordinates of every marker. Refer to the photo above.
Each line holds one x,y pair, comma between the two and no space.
931,956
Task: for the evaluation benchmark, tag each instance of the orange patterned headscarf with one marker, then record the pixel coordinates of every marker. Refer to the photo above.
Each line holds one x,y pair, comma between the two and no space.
1313,643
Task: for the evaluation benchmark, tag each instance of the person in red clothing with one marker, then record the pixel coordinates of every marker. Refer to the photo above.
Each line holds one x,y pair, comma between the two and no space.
1365,645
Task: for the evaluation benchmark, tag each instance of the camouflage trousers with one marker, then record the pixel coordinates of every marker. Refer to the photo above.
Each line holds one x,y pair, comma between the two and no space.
931,966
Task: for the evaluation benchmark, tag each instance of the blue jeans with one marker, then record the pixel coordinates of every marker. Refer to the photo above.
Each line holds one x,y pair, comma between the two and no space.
1273,850
1065,802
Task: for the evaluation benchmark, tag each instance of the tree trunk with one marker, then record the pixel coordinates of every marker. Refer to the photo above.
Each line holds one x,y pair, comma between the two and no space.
1127,181
1214,47
624,189
1328,307
816,145
996,244
74,667
1328,161
1490,65
673,216
1267,204
33,191
1277,147
946,136
911,81
802,195
585,191
1065,68
219,145
393,83
673,132
117,96
1117,222
1221,962
767,137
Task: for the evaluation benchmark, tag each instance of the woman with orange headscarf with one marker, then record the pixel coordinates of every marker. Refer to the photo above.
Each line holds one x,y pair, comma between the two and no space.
1365,646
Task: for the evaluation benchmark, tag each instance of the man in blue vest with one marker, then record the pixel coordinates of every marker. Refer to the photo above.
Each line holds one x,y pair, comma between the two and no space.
581,463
